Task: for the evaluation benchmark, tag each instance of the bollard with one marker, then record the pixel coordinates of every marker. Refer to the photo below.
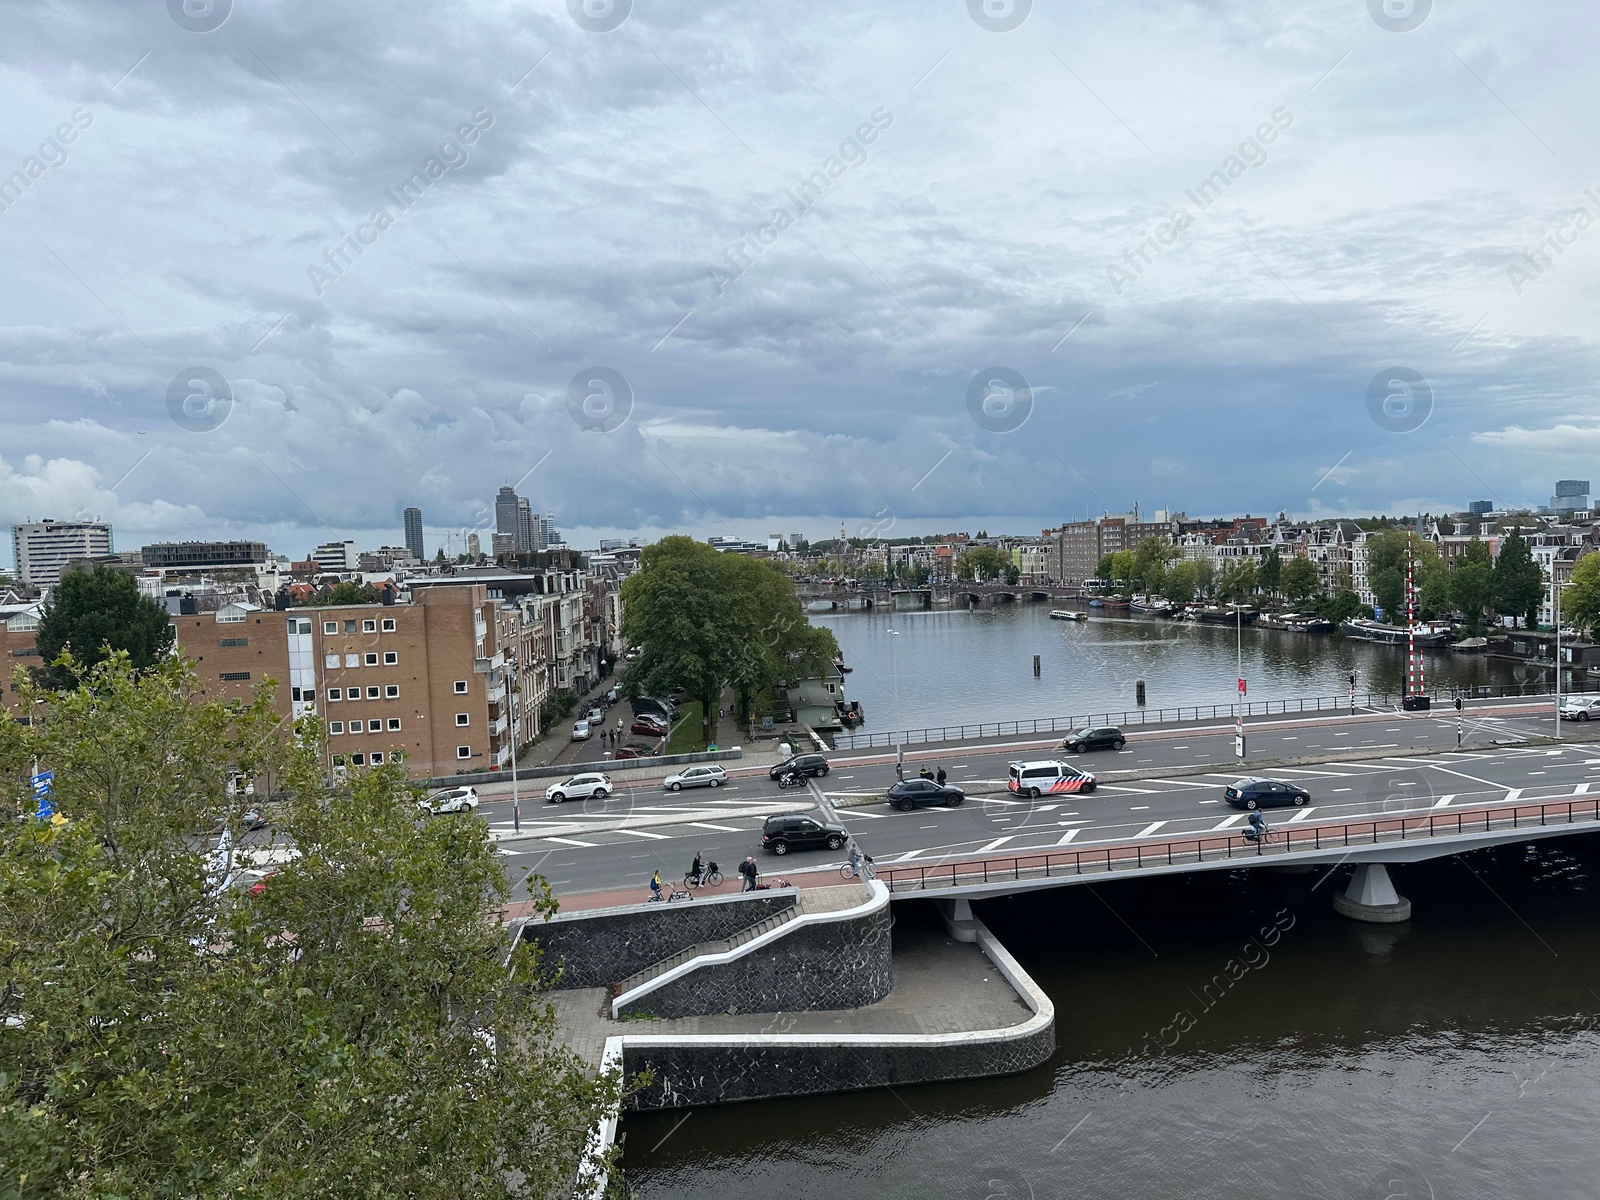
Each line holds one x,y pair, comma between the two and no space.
1138,692
1036,666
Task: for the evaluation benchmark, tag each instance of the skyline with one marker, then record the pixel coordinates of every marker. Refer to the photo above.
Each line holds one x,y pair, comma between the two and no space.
729,272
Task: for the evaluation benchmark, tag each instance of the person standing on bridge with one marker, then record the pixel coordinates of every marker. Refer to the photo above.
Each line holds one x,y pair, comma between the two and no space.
748,869
939,778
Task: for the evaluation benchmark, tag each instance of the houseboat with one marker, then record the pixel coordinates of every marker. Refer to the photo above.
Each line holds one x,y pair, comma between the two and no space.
1395,635
1067,614
1296,622
1152,606
1218,614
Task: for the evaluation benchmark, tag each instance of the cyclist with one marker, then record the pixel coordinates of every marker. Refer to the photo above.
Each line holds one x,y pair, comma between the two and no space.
855,858
697,872
655,885
1258,827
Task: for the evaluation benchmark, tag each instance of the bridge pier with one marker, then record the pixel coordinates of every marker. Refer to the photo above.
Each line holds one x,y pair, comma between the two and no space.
958,919
1371,897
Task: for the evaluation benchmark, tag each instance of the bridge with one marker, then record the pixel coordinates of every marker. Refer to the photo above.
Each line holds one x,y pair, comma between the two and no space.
940,595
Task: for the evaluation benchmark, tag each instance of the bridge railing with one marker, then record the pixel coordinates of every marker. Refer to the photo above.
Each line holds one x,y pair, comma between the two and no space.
1284,840
1159,716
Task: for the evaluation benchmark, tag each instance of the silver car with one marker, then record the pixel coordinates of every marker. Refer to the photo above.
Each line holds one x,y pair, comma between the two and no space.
451,800
701,775
591,785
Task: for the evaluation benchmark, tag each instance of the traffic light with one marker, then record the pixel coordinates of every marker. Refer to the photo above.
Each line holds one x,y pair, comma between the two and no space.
1458,702
1352,680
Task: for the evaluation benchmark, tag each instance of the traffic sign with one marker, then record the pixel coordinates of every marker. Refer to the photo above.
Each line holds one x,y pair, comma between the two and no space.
42,783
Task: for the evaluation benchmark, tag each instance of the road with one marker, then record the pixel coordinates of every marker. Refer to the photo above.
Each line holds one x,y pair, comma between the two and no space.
619,842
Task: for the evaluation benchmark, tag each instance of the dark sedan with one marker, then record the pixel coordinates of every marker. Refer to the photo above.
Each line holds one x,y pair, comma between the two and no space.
917,793
804,765
1103,737
1264,793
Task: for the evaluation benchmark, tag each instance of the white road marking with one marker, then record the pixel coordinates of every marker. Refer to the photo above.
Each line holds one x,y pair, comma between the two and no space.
850,812
1302,814
996,844
1580,789
1217,801
1068,836
1149,829
643,833
1139,808
570,842
1444,801
1513,794
1047,808
718,828
1344,789
1119,787
1228,824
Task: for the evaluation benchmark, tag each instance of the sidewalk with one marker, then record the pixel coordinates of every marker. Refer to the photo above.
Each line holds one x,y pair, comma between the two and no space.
639,895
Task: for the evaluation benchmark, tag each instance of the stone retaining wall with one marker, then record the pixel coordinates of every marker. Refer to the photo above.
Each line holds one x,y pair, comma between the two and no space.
808,964
605,947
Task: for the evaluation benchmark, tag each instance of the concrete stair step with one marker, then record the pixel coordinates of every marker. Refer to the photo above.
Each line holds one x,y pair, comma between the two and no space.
720,946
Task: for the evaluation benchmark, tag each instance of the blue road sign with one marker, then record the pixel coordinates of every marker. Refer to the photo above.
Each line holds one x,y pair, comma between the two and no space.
42,783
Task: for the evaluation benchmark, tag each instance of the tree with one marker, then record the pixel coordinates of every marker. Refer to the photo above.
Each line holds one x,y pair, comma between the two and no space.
94,613
1189,580
1386,572
1518,581
1342,606
1148,572
1271,571
1580,600
980,563
363,1026
1472,582
1299,580
1238,580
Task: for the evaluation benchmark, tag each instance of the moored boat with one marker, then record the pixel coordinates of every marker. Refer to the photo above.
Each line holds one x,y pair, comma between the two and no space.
1296,622
1067,614
1217,614
1119,603
1152,606
1394,635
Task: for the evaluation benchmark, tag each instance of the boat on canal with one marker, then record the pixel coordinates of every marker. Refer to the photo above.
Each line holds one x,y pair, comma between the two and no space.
1221,614
1067,614
1152,606
1394,635
1296,622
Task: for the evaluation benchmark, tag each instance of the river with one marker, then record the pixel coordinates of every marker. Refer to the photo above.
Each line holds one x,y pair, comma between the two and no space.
1453,1056
953,667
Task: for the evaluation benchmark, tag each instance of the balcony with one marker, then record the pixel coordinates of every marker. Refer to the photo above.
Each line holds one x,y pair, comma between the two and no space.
498,726
497,692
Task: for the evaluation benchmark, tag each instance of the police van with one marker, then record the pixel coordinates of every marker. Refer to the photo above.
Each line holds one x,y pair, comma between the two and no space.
1035,779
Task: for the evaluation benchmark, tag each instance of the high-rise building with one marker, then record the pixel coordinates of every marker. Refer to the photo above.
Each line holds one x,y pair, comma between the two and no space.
527,527
1572,495
414,533
474,544
337,556
42,550
549,536
175,556
1480,508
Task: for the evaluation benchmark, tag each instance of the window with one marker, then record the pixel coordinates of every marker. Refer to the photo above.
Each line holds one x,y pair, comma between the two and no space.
330,660
233,641
372,693
294,693
388,624
338,760
335,726
461,687
300,626
394,724
463,751
358,760
234,675
349,626
351,660
310,695
369,627
390,658
335,694
330,628
463,719
391,691
371,660
377,758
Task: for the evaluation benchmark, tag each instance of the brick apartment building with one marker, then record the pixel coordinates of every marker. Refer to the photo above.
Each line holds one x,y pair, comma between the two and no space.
1080,545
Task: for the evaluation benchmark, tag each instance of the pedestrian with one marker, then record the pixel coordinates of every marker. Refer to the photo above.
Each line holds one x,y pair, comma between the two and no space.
748,869
900,771
939,778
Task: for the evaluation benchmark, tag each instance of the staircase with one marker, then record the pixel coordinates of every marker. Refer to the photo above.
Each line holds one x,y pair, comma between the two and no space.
722,946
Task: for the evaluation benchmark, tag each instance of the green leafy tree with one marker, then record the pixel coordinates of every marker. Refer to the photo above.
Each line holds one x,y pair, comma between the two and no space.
1343,605
1386,573
362,1027
1238,580
980,563
1270,571
94,613
1580,600
1299,580
1189,580
1472,582
1518,581
1013,574
1151,559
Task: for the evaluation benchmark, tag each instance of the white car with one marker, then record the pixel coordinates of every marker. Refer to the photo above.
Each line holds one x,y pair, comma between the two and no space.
1580,708
597,716
581,731
697,776
589,786
451,800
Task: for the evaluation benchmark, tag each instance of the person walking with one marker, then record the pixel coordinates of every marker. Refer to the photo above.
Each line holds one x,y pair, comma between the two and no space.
748,869
900,771
939,778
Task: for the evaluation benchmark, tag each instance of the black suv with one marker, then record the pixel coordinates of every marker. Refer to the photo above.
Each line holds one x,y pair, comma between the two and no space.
804,765
1264,793
914,793
799,832
1107,737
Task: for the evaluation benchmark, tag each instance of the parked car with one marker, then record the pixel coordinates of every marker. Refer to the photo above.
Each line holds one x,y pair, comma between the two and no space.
1105,737
597,716
648,728
591,785
797,831
914,793
451,800
581,731
611,695
1250,792
700,775
1580,708
805,765
633,750
260,885
1033,779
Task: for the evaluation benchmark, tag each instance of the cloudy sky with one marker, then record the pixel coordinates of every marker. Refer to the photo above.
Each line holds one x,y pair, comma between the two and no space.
723,267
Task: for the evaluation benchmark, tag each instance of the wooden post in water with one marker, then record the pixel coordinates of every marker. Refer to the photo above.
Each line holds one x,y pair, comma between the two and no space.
1036,666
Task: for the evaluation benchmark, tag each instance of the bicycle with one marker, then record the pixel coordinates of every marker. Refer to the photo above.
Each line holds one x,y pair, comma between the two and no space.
668,894
713,878
866,869
1259,840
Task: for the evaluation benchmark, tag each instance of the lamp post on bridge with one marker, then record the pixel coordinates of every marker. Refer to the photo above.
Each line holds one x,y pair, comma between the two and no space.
899,725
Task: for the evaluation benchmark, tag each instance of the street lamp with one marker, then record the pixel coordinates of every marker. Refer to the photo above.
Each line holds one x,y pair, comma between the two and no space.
511,706
1555,615
899,725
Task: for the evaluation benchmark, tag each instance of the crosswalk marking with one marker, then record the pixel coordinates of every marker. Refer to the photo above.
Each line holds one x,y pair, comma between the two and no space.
1149,829
570,842
996,844
1228,824
1302,814
644,833
1068,836
1444,801
718,828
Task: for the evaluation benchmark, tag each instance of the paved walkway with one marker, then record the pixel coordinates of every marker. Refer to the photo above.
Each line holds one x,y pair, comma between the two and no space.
940,986
635,897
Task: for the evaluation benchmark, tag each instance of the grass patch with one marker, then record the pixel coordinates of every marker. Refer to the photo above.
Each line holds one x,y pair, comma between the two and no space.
685,735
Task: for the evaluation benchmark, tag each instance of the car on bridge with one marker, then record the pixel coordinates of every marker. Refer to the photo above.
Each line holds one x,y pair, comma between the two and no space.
1251,792
451,800
797,831
703,775
803,765
915,793
649,727
1103,737
591,785
1580,708
1034,779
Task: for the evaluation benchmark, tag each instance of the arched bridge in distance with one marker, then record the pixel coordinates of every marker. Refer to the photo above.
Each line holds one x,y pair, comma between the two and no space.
941,595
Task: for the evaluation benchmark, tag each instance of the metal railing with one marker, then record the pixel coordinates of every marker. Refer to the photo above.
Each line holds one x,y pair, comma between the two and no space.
1285,840
1190,712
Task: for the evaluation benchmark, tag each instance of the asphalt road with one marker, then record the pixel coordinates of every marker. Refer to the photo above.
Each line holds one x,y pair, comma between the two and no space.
619,842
